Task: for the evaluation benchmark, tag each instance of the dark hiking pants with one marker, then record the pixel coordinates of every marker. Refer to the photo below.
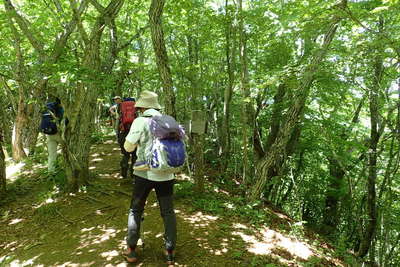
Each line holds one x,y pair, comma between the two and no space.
164,192
126,156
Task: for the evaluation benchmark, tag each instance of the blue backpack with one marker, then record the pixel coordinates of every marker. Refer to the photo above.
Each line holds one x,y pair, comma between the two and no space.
48,123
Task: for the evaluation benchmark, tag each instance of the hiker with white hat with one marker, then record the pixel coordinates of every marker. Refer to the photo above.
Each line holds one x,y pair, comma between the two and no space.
139,137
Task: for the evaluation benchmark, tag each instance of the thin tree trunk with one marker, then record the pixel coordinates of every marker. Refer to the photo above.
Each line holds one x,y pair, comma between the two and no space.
139,71
2,167
197,111
247,105
337,171
369,232
276,154
230,53
389,256
18,152
157,37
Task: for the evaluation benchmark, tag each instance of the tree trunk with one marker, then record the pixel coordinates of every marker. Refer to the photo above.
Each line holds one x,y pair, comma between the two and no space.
32,131
337,171
276,154
2,167
76,139
369,231
18,152
197,111
77,134
247,105
230,53
331,217
157,37
198,151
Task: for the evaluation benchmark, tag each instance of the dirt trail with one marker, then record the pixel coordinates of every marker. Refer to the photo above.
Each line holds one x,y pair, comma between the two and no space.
88,229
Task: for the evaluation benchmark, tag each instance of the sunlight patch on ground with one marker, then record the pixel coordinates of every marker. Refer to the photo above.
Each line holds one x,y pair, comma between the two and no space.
70,264
18,263
87,229
199,219
272,240
97,159
10,246
107,235
240,226
15,221
90,238
108,255
13,169
218,190
122,265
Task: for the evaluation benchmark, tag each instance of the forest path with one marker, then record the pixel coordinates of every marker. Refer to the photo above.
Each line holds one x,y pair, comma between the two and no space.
89,228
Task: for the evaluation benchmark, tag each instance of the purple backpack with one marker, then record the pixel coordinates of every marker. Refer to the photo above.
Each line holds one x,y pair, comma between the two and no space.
168,153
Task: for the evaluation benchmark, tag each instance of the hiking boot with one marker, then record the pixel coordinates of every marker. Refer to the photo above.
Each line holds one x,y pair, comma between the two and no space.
170,257
130,255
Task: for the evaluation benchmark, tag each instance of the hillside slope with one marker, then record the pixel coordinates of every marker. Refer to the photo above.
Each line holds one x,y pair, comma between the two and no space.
42,228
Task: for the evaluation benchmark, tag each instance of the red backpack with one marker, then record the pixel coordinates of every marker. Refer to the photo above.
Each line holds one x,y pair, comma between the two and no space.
127,115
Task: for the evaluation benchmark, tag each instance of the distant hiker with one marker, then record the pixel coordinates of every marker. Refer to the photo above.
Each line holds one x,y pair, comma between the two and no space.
127,114
51,118
114,114
140,137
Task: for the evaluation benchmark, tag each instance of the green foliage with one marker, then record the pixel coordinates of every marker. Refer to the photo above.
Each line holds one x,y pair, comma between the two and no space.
46,212
98,137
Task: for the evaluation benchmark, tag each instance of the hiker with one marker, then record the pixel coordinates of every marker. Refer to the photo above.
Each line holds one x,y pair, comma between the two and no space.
127,114
139,137
114,114
52,116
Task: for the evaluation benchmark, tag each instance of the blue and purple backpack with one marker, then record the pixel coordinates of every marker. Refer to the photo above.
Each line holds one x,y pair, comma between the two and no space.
167,153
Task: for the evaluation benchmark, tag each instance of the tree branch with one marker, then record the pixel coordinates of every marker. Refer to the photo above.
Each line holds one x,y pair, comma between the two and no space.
136,36
77,16
98,6
24,25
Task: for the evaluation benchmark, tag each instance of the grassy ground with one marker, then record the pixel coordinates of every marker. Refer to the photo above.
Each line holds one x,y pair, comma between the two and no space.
43,228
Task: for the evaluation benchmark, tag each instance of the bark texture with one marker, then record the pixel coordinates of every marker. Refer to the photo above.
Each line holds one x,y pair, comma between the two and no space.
160,50
77,134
